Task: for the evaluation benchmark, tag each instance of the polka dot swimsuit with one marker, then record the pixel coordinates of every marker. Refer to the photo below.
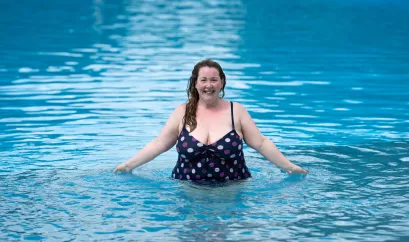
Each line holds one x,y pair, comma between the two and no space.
222,160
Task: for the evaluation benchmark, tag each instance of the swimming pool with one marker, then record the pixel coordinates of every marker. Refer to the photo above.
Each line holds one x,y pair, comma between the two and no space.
84,85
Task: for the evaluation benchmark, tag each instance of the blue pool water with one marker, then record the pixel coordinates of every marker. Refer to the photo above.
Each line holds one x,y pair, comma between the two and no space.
85,84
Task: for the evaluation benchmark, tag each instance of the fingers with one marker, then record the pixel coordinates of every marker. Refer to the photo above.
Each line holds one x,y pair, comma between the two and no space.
121,168
304,171
117,169
298,170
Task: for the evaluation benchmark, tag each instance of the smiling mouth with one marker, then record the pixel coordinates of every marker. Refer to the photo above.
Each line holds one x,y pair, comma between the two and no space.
209,91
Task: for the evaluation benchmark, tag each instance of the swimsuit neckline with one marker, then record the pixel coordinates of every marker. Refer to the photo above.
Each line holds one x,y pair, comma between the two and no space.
233,130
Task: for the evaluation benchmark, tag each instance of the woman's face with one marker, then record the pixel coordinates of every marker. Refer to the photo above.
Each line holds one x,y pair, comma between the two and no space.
208,83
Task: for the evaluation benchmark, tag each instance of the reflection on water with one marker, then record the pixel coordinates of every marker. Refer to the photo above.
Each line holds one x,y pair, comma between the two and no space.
84,88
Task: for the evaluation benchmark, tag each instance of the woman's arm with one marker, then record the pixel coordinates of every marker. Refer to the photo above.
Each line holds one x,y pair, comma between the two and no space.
166,140
263,145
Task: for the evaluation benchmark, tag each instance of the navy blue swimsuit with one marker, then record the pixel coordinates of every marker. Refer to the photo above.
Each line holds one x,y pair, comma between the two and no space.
222,160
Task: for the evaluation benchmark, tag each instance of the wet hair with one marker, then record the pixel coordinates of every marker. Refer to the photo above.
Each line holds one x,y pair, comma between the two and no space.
193,95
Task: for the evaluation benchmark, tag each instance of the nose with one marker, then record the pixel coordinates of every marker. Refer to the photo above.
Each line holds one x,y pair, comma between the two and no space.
208,84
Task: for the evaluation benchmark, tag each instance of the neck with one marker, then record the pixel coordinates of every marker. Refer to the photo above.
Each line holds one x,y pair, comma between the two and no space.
213,104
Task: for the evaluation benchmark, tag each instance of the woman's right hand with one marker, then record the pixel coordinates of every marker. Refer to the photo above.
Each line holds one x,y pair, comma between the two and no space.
297,170
122,168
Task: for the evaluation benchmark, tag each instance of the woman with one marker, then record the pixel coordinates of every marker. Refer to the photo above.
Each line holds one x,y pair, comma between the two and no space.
209,132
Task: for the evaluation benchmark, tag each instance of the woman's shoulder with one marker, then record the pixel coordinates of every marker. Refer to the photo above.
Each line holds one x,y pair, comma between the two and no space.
180,109
181,106
238,107
178,113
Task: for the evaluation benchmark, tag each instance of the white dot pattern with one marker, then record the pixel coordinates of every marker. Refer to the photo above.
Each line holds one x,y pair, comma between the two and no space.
221,160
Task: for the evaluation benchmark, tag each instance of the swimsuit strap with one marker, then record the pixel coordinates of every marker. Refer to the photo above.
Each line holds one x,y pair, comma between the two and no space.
232,116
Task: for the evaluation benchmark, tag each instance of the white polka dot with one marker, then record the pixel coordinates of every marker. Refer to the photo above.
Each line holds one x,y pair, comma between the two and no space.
177,170
193,171
243,170
227,178
231,133
182,165
233,155
231,170
209,175
188,177
220,147
235,162
227,140
174,175
199,144
186,160
216,169
239,154
239,147
183,156
223,162
190,150
199,164
183,138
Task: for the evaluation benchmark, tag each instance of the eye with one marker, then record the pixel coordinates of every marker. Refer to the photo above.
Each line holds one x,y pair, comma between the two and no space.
214,80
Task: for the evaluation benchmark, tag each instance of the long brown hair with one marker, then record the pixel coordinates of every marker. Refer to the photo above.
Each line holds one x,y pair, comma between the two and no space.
193,95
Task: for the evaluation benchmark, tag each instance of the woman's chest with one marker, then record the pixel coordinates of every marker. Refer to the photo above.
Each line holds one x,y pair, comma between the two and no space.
227,147
211,128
